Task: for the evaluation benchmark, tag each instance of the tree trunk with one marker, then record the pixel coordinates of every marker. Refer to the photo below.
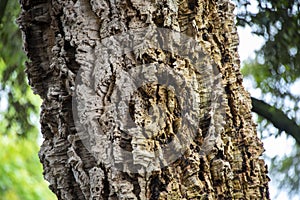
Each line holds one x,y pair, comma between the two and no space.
142,100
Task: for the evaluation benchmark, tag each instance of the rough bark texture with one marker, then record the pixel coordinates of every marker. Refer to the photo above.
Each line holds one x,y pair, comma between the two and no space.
63,36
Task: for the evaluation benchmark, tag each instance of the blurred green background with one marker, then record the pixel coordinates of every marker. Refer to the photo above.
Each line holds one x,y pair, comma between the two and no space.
274,72
21,176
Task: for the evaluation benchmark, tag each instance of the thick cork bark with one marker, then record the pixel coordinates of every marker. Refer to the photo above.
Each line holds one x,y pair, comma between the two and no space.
124,155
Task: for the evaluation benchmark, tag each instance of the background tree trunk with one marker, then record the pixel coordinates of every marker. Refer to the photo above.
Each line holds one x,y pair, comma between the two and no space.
221,161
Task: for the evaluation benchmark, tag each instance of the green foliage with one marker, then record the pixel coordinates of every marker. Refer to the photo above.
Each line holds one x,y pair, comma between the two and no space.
277,65
286,170
23,106
20,170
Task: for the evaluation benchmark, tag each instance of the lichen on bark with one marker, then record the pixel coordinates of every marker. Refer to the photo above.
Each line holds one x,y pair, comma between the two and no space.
65,39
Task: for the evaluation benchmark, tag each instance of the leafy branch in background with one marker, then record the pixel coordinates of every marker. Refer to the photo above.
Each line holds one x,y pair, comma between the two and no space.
21,171
23,105
275,70
277,64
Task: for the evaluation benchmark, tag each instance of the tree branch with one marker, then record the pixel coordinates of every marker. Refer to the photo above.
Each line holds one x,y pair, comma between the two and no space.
277,118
